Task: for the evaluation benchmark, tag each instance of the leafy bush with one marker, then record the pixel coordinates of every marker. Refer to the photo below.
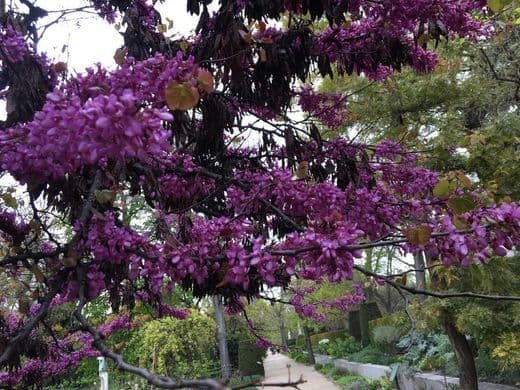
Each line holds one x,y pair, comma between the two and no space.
352,382
250,358
385,337
242,380
299,356
338,371
339,348
491,369
399,320
430,352
331,336
508,351
182,348
324,368
372,354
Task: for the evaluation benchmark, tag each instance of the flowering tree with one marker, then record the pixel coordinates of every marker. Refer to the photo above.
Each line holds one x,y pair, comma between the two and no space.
167,124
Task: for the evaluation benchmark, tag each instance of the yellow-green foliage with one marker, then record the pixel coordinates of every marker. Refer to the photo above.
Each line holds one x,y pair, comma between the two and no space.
397,320
331,336
182,348
508,351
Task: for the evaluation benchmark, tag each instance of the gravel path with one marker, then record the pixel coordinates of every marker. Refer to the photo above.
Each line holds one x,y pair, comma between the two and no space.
276,372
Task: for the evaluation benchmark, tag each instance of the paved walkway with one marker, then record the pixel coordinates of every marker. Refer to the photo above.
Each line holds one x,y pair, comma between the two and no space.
276,372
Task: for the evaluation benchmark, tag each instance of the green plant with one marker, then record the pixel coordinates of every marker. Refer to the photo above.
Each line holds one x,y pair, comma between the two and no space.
430,352
374,355
339,371
385,337
352,382
331,336
339,348
250,358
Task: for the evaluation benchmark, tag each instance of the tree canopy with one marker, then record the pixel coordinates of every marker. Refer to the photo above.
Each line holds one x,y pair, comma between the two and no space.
167,125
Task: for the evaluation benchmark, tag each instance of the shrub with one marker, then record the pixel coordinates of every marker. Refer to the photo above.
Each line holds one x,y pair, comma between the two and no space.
398,320
338,371
508,351
352,382
339,348
372,354
386,337
331,336
326,369
430,352
250,358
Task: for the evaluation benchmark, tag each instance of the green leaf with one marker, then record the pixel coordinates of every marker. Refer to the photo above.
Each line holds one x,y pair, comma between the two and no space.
442,188
462,205
181,96
105,196
9,200
495,5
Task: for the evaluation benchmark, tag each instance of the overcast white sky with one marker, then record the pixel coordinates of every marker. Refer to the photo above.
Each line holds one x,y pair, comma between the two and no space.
90,39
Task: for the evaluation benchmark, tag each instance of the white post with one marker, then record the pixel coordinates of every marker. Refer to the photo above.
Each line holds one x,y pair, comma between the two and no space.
103,373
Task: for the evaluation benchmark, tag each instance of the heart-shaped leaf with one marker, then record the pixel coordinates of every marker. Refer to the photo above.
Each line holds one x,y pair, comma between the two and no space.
181,96
419,235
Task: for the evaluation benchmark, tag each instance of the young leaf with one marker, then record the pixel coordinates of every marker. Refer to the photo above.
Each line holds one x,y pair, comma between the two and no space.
462,204
181,96
419,235
495,5
206,81
442,188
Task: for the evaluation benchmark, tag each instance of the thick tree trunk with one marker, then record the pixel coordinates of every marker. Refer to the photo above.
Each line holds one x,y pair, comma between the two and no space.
459,343
464,355
225,364
308,344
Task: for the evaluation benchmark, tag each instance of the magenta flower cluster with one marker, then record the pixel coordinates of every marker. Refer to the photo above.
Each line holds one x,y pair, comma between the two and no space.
12,45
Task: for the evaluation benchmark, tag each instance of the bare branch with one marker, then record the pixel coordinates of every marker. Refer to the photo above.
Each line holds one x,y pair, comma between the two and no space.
465,294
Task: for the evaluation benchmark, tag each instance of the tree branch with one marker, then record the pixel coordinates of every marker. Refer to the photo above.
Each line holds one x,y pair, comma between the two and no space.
412,290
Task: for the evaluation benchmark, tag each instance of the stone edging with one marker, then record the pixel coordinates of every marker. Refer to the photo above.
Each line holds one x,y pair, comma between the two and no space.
422,381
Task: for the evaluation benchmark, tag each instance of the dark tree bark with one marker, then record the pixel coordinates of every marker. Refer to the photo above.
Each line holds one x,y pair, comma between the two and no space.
466,362
468,378
225,364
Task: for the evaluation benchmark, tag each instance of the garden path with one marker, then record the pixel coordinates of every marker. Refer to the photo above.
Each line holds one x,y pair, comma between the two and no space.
276,372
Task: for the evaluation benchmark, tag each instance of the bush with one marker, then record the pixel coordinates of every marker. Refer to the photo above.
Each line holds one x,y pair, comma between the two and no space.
352,382
250,358
324,368
339,348
243,380
338,371
372,354
430,352
299,356
386,337
399,320
331,336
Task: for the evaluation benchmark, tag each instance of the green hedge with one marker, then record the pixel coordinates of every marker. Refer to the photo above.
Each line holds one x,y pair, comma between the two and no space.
334,335
250,358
